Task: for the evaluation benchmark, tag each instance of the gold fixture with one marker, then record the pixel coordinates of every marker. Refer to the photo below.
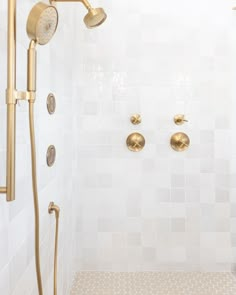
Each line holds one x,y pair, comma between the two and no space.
41,26
54,208
42,23
51,155
9,189
180,119
51,103
136,119
3,190
135,142
95,16
180,141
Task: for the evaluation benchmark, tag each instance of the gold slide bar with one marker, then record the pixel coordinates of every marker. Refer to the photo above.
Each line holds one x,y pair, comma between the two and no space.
11,103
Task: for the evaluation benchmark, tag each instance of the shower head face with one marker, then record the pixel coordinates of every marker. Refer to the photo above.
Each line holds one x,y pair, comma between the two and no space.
95,17
42,23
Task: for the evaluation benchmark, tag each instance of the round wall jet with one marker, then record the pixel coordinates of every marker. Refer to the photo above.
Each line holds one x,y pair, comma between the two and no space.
51,103
51,155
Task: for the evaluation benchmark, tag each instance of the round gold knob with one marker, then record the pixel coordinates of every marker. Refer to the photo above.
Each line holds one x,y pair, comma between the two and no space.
135,142
136,119
180,141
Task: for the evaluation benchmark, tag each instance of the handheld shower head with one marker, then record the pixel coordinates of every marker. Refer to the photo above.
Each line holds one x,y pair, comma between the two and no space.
42,23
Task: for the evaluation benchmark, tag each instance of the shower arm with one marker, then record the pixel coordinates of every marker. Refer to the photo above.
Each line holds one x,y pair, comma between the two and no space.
85,2
12,96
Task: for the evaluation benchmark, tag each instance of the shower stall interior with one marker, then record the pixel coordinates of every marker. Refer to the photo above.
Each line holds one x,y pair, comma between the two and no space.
134,132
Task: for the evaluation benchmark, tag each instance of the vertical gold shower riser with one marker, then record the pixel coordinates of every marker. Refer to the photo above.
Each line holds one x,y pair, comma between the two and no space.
11,97
11,102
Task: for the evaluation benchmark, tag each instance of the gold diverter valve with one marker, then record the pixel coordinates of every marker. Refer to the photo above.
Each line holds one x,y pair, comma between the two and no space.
180,141
180,119
135,142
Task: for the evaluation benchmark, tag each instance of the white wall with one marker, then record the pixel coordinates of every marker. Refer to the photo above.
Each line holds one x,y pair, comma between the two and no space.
55,74
157,209
154,210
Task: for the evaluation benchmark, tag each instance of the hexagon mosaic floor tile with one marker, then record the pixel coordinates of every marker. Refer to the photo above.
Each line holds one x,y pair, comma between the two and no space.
153,283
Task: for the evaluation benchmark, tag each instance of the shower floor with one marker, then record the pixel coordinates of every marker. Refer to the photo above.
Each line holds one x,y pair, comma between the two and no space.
153,283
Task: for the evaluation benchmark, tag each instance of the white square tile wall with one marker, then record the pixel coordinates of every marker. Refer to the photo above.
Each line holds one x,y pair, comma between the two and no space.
154,210
157,209
55,74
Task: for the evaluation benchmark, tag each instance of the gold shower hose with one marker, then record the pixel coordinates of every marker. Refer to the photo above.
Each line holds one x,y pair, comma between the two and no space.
52,208
35,193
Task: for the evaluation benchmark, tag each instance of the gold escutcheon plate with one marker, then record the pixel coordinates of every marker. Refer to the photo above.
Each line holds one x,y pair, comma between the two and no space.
135,142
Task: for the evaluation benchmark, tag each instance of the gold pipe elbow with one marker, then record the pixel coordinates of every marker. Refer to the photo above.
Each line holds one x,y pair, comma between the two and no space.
54,208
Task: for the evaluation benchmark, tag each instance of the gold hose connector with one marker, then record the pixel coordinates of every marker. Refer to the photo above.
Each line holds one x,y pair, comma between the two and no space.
54,208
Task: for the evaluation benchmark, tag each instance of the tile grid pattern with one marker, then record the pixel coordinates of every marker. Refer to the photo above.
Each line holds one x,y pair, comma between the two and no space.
157,210
17,263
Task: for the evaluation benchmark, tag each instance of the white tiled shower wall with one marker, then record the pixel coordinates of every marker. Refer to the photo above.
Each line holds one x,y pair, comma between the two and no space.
157,209
154,210
55,74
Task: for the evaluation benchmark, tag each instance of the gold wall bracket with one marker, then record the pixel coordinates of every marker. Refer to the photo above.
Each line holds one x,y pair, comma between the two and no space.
179,141
20,95
3,190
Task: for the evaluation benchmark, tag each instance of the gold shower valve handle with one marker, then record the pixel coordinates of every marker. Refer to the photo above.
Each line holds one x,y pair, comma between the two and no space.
180,142
135,142
180,119
136,119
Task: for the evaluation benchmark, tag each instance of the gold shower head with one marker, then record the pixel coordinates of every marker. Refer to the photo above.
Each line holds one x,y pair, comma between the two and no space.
95,17
42,23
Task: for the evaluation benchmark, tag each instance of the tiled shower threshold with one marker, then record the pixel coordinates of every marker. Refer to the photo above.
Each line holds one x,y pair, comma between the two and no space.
154,283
